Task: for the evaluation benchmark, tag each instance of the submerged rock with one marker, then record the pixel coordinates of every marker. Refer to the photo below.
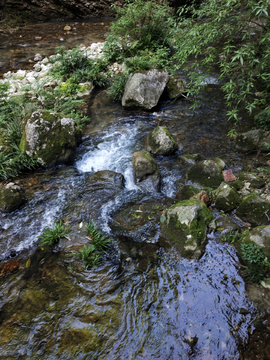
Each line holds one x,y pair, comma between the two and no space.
255,210
144,89
146,171
207,173
10,200
227,198
190,159
140,222
50,138
160,142
185,225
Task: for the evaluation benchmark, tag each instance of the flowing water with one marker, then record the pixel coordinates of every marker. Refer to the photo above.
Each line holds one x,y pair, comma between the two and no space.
145,301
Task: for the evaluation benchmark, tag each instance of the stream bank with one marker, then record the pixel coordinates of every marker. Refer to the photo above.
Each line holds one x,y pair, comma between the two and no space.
145,301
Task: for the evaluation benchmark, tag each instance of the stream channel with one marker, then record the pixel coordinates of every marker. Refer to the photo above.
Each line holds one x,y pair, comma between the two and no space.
144,301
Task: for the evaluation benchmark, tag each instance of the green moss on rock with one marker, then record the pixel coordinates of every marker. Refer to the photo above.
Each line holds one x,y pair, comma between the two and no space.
10,200
226,197
186,192
185,225
160,142
207,173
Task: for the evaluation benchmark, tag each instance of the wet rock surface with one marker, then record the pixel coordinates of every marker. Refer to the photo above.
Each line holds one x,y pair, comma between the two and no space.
206,173
160,142
10,200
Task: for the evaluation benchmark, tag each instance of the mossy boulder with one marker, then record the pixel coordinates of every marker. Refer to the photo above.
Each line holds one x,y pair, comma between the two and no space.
160,142
255,210
185,225
186,192
254,180
206,173
10,200
175,87
227,198
144,89
146,171
259,236
50,138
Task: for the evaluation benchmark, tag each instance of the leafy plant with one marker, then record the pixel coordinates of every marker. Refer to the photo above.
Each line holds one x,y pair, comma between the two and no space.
262,120
257,263
235,36
51,236
91,254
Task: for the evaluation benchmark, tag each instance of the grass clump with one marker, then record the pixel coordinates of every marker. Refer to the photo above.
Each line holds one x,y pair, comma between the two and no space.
51,236
230,237
98,244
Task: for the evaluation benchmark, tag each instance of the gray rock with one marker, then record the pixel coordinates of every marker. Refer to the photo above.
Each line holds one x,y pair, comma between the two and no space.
227,198
50,138
160,142
143,90
254,180
185,225
146,171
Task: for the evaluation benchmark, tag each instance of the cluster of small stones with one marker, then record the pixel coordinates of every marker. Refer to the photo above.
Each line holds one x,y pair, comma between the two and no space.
40,76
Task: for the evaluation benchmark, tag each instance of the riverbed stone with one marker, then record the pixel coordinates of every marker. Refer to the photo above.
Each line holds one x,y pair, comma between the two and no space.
185,225
146,171
254,210
10,200
253,140
259,236
175,87
254,180
50,138
140,222
144,89
206,173
190,159
227,197
160,142
186,192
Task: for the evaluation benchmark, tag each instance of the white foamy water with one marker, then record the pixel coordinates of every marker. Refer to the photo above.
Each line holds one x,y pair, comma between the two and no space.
114,153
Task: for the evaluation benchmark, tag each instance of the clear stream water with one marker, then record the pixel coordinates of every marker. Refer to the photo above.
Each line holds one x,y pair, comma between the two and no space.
145,301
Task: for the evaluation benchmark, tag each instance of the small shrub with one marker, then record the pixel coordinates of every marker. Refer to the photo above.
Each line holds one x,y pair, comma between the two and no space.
262,120
257,263
51,236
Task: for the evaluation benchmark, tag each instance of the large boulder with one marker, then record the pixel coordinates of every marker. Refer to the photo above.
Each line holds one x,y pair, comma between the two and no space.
185,225
146,171
144,89
10,200
227,197
160,142
50,138
255,210
206,173
175,87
